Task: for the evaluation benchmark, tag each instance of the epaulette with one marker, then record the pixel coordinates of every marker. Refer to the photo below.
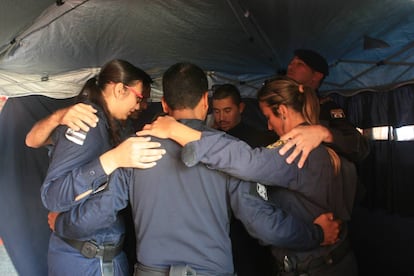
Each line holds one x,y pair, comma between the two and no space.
261,189
276,144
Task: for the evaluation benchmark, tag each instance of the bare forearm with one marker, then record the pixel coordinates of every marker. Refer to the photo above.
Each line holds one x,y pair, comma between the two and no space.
108,161
40,134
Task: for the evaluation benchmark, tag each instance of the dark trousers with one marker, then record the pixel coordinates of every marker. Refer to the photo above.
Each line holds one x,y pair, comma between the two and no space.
250,258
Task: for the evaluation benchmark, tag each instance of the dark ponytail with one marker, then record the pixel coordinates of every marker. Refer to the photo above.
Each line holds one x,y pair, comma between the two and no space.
283,90
115,71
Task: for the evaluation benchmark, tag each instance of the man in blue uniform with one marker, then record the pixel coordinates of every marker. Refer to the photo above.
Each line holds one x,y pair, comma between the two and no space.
182,214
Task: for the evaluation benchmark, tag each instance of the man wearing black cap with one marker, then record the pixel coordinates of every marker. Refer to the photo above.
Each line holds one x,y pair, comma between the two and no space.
310,68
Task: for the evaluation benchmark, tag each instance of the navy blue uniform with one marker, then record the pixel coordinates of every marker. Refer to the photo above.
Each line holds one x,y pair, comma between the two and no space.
249,256
75,168
306,192
182,214
252,136
348,142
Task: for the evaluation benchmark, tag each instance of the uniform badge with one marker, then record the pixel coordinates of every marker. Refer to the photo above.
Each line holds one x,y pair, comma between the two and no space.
77,137
337,113
262,191
276,144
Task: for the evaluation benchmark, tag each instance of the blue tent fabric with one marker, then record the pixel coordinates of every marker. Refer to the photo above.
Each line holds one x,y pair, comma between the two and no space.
244,39
383,220
387,171
386,108
23,226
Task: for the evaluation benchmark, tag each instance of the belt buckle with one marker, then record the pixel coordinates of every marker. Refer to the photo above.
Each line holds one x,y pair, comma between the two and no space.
89,249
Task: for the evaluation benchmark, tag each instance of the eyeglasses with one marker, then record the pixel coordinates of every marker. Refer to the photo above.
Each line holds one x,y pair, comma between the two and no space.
140,98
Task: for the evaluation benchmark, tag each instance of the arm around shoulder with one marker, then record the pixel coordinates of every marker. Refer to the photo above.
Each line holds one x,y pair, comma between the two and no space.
78,116
40,134
270,224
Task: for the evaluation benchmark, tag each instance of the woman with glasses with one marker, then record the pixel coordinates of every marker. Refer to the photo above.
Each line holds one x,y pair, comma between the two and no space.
76,187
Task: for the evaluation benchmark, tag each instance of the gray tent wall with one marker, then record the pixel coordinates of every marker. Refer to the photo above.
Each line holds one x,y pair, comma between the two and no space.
243,38
23,226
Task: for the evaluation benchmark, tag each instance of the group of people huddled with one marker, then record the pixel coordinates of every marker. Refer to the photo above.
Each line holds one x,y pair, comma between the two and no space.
227,199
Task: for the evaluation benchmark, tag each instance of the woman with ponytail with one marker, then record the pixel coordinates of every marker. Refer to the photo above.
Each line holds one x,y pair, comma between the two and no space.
75,187
324,186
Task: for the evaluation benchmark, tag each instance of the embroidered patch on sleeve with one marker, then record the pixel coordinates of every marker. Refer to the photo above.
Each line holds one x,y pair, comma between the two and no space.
337,113
276,144
77,137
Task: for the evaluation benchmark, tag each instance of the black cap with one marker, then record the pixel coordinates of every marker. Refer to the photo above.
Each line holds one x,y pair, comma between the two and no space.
314,60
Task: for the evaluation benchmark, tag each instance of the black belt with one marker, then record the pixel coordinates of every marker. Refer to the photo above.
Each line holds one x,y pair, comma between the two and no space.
143,270
335,256
175,270
90,249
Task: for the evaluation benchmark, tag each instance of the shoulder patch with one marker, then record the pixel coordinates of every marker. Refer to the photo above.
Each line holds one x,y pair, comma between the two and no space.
276,144
77,137
337,113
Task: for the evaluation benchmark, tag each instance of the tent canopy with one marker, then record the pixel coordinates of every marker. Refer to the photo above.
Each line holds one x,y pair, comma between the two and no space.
244,42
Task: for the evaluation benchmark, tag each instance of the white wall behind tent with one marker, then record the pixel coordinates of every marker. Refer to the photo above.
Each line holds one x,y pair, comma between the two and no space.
245,40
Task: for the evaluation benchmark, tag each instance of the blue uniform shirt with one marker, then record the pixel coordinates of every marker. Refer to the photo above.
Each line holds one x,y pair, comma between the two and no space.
306,192
182,214
75,168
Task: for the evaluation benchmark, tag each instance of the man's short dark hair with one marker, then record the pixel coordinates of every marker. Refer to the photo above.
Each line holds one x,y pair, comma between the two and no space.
183,85
227,90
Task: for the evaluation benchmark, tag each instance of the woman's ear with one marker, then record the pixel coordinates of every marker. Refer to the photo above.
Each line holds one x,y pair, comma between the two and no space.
118,90
283,111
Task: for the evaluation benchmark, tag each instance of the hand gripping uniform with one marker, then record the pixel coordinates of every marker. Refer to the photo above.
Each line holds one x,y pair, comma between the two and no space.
306,193
182,215
74,169
348,142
